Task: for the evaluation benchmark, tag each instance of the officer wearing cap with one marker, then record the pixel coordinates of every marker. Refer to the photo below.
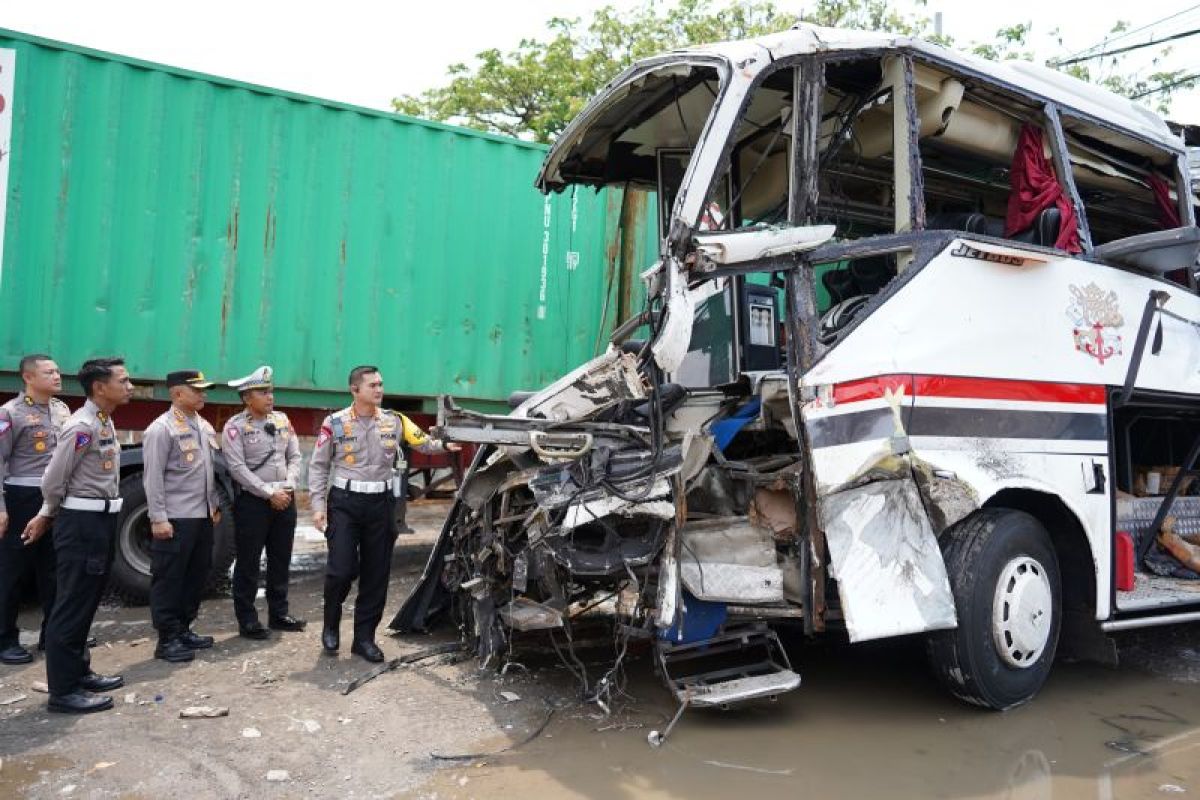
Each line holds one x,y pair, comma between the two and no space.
81,493
29,428
353,482
263,457
182,495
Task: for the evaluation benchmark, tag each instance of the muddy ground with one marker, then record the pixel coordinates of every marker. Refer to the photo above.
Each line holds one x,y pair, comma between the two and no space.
868,722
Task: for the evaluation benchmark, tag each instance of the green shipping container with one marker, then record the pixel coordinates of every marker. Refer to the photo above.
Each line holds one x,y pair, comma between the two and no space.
186,220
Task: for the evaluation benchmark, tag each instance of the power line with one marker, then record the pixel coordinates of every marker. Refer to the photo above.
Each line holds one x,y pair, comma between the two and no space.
1126,34
1106,53
1165,86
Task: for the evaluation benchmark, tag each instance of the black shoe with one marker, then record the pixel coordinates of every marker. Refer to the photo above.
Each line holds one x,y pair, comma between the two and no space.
368,650
100,683
15,654
80,702
175,651
254,630
287,623
404,528
195,640
330,640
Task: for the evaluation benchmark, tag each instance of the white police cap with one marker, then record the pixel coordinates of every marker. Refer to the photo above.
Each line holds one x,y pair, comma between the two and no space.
259,379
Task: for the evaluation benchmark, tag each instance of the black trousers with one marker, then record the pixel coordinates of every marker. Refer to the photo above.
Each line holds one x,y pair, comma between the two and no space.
18,560
179,568
361,534
259,526
84,542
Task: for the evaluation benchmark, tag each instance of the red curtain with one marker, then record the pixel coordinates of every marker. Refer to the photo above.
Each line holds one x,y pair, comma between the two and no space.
1035,188
1168,212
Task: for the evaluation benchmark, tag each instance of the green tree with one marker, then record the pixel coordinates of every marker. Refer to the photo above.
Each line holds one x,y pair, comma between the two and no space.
534,90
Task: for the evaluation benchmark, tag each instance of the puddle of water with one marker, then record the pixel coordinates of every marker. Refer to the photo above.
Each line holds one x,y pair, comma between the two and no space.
870,723
19,774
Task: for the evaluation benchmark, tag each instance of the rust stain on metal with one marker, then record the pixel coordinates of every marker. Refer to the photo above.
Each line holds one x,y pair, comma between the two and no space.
269,233
231,229
633,212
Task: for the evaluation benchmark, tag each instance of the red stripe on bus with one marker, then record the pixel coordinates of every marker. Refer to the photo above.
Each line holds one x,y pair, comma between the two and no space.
970,388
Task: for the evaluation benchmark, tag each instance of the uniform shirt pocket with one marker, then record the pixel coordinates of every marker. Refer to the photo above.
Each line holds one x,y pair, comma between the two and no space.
187,450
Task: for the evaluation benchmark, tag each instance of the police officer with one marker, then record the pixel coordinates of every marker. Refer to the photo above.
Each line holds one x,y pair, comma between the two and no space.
354,463
263,456
81,491
29,428
182,495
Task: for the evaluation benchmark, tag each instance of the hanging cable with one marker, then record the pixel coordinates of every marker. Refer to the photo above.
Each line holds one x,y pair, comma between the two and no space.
1131,47
1128,33
1193,77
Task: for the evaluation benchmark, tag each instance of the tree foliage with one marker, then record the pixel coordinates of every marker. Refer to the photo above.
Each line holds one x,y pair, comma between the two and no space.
534,90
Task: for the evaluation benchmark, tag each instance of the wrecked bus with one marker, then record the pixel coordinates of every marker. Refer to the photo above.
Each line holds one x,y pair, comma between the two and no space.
919,357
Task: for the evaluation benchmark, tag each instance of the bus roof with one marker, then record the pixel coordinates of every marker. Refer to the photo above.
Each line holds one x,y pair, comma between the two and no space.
1064,90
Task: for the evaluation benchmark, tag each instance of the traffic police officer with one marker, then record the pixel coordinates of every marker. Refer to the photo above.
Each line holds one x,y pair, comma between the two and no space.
182,495
81,491
354,463
29,428
263,457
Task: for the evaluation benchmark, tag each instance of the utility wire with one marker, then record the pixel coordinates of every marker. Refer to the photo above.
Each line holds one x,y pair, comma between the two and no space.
1127,34
1165,86
1107,53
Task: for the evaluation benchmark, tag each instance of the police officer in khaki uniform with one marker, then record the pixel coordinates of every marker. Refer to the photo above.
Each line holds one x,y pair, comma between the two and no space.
182,494
81,491
263,456
29,428
354,463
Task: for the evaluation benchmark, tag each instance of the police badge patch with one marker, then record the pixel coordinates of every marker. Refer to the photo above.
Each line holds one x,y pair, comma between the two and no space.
82,440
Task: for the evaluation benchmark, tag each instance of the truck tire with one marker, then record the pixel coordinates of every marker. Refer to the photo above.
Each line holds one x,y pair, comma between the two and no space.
1007,592
130,575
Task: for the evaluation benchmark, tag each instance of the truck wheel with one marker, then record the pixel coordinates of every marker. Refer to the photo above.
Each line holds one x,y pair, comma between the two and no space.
1007,592
130,575
129,578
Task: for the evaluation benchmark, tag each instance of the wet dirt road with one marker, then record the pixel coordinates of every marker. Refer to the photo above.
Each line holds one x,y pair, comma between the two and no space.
867,722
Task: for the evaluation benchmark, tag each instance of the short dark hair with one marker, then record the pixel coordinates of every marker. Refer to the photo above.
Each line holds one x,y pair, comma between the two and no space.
29,362
97,370
359,372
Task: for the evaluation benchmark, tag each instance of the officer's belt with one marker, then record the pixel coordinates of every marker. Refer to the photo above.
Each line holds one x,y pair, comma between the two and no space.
278,486
108,506
362,487
34,482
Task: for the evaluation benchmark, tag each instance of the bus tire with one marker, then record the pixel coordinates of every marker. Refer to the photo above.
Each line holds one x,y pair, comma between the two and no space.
1007,592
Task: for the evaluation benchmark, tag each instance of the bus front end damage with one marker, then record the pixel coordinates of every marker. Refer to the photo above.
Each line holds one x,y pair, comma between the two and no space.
574,514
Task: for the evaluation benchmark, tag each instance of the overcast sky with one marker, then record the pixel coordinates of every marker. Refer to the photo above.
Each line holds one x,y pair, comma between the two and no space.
365,52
